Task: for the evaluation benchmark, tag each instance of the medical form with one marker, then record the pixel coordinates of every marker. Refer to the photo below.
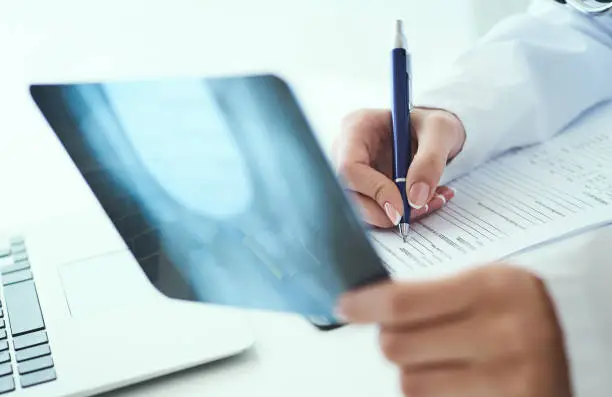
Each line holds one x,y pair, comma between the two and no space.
524,198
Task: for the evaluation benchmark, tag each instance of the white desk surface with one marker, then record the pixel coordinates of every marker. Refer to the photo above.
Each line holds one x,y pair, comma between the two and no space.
64,40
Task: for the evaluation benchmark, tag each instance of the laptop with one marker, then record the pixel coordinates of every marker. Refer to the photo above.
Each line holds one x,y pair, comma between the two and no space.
79,317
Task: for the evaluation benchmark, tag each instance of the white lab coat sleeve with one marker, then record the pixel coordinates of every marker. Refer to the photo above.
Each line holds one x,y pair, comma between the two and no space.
524,82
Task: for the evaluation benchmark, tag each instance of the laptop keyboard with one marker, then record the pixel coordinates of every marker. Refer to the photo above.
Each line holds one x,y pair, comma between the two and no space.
25,354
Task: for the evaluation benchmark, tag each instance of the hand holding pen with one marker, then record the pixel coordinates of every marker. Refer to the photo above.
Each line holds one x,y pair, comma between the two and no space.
364,156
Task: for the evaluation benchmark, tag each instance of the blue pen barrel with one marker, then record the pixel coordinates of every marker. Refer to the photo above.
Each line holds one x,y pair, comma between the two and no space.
402,151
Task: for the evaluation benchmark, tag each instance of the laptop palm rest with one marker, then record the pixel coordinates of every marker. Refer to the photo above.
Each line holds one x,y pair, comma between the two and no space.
104,284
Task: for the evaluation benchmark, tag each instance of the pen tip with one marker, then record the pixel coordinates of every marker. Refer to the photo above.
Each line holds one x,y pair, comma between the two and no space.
404,229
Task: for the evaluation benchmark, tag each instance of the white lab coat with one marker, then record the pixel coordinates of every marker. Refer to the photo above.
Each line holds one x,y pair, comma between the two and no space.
550,65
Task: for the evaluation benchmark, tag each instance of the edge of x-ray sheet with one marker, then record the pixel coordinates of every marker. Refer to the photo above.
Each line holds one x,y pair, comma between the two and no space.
523,199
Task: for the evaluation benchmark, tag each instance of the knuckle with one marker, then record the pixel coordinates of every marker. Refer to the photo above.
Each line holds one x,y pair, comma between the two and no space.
398,304
516,379
512,337
417,383
391,346
380,192
355,118
520,381
492,283
409,384
497,280
443,121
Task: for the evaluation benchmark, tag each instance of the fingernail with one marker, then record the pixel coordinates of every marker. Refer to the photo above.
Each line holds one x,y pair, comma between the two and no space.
339,311
441,196
449,194
418,195
339,314
394,216
422,212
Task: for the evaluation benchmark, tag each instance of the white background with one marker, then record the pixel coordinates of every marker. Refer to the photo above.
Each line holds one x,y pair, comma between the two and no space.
335,53
76,39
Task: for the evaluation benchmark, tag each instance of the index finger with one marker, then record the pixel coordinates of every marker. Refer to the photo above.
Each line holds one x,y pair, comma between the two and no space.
408,303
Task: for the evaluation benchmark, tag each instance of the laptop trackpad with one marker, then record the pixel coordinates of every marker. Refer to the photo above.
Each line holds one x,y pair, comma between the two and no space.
105,283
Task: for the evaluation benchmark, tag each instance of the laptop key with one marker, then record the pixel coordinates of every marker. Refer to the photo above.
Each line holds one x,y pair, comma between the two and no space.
4,252
20,256
32,352
15,267
35,365
16,248
17,277
6,369
2,333
5,356
2,325
36,378
16,240
23,308
3,345
7,384
29,340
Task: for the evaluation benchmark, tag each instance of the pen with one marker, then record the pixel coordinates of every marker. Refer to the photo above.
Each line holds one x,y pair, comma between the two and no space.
402,152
